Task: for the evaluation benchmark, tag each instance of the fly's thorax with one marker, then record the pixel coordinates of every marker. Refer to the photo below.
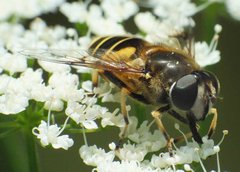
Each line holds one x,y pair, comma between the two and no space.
169,65
163,67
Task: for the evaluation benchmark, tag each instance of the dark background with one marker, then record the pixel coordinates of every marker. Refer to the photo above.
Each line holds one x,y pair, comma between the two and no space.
228,71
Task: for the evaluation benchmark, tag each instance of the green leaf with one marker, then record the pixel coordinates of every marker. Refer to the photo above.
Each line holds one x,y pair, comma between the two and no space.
82,29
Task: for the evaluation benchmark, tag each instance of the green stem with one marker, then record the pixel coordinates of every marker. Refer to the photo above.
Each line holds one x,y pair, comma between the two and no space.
31,152
72,130
8,132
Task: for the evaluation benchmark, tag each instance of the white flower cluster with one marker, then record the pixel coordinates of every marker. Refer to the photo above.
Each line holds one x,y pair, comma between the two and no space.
21,83
59,90
132,157
233,7
26,8
16,91
115,12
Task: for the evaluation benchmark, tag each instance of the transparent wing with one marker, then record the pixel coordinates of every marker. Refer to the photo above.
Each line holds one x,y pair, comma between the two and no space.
102,59
186,41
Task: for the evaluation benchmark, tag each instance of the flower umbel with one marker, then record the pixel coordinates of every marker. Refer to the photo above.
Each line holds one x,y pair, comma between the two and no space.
133,156
34,86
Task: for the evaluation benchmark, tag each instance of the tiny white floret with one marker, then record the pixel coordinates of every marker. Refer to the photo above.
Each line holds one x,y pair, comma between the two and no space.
50,134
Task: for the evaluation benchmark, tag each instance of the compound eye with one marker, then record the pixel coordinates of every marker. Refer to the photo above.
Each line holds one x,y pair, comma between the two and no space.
183,92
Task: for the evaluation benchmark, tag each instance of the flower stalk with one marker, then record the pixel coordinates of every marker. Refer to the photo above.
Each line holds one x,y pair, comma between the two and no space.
33,159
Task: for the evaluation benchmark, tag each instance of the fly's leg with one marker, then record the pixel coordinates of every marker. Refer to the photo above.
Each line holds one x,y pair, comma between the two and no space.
157,116
178,116
194,128
124,112
183,120
124,93
95,78
213,123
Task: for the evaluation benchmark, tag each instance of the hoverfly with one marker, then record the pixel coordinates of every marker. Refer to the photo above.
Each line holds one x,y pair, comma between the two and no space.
167,77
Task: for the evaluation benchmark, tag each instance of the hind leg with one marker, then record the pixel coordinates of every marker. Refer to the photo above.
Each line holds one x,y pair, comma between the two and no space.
124,93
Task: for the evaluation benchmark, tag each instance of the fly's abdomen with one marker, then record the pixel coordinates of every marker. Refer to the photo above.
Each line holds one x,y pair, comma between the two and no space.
126,50
116,43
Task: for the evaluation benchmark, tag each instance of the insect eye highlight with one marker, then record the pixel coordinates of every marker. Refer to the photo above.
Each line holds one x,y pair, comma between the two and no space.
183,92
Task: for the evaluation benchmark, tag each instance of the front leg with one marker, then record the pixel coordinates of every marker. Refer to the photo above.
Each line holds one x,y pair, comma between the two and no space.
213,123
193,128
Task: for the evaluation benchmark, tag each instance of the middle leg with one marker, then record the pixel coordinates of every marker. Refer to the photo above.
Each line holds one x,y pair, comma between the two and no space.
157,115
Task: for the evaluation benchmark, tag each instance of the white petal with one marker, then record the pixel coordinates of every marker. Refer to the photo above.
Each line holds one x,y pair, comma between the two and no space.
53,67
13,63
204,56
87,86
63,142
119,10
13,103
233,7
94,156
90,124
75,12
54,105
